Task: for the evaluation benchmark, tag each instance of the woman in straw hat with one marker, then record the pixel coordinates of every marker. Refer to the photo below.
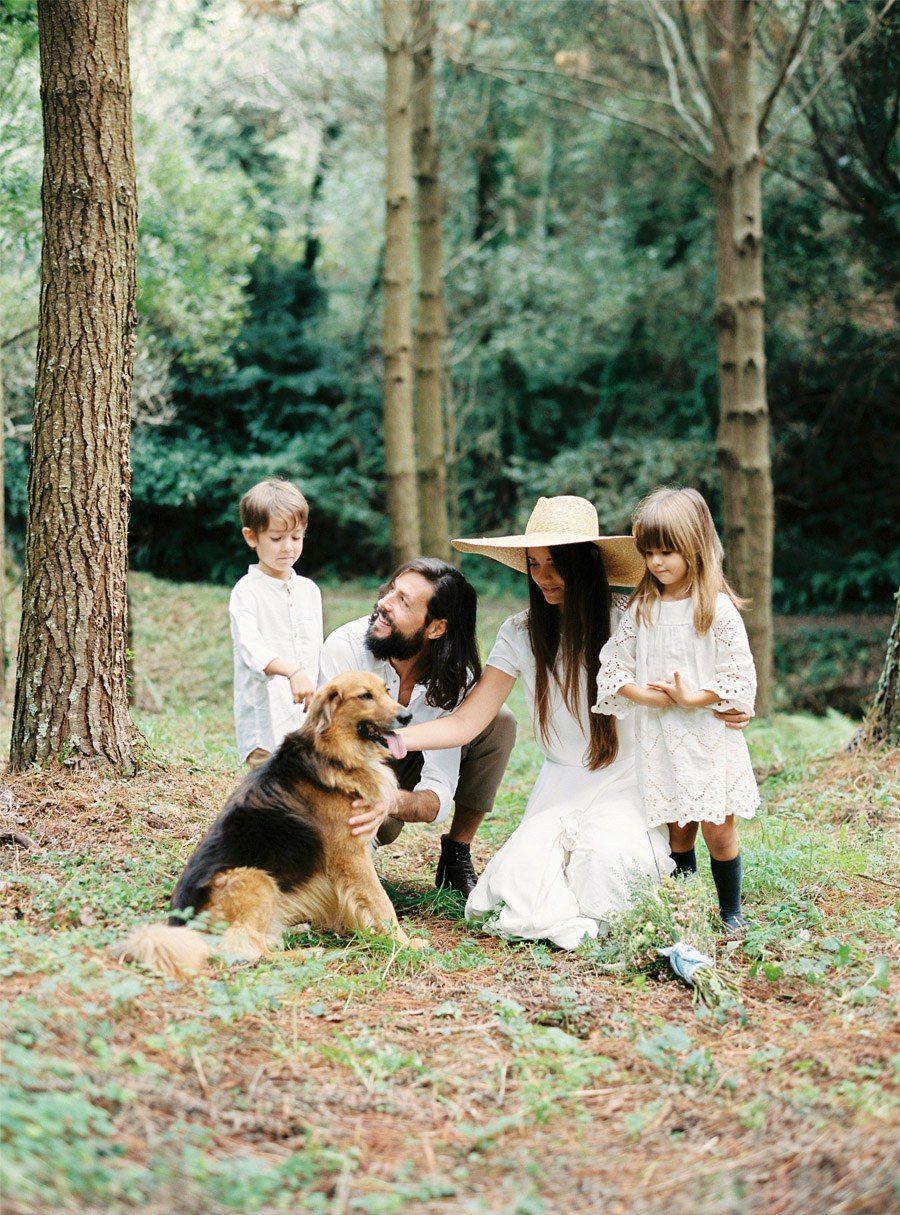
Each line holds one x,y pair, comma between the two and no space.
583,836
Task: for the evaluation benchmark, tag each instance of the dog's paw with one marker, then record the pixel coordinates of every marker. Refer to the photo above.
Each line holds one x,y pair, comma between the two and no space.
240,945
417,943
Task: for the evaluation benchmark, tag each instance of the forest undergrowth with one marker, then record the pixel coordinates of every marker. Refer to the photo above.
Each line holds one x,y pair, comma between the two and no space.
476,1077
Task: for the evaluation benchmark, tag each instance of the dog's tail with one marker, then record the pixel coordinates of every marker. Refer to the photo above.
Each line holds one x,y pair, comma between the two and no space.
169,949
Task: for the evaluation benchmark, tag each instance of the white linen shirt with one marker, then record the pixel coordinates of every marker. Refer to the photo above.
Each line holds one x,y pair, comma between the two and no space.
271,618
345,650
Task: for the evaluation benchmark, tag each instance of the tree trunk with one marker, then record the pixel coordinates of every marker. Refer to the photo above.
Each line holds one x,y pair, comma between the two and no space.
452,455
487,179
399,450
548,170
744,432
330,133
720,57
71,695
883,722
430,329
3,654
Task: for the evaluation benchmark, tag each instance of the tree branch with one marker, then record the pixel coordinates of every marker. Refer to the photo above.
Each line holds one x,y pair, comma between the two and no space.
602,111
811,187
23,333
806,101
604,82
662,25
715,114
789,63
472,249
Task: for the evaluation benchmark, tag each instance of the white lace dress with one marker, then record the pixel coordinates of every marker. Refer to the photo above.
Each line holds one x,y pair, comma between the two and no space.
690,766
583,835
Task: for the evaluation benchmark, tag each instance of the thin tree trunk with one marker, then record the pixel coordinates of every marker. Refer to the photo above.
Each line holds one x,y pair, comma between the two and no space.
883,722
330,133
548,168
452,455
720,57
744,435
431,327
3,654
487,180
399,449
71,695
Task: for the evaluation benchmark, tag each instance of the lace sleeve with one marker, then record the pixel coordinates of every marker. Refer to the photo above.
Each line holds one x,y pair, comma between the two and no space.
735,678
617,659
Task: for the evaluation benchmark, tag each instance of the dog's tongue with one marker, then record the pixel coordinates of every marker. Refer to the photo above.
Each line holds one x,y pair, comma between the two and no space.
396,745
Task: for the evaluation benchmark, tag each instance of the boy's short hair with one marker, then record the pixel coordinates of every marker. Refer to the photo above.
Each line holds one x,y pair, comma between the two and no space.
273,499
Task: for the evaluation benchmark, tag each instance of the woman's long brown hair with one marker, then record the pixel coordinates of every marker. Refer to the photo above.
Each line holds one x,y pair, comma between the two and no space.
574,633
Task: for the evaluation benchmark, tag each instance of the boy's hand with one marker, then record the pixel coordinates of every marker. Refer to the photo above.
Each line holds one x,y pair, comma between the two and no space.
370,817
302,687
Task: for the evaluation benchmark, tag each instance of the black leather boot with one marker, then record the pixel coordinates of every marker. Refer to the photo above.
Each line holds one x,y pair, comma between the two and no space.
455,867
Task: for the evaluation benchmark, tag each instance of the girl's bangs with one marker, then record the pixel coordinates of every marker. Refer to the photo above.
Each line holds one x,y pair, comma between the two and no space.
657,533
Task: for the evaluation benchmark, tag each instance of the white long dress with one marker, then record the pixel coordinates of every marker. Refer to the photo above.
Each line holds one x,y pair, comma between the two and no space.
690,766
583,836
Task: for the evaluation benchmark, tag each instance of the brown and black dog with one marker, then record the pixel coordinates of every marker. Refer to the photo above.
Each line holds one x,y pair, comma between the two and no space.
281,852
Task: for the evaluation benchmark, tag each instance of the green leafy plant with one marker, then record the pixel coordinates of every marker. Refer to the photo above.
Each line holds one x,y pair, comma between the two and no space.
671,920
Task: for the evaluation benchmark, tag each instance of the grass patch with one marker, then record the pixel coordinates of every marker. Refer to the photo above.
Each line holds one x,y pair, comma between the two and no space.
478,1077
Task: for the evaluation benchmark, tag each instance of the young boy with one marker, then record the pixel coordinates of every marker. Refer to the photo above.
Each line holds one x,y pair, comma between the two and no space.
276,622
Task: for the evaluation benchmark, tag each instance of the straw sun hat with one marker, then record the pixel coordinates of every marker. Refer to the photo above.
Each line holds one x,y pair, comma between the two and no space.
562,520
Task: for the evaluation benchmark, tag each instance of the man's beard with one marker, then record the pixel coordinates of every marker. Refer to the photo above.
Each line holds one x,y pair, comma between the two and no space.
395,644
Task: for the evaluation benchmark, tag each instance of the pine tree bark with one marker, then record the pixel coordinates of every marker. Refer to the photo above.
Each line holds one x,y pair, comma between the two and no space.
743,440
431,324
883,722
3,654
399,447
71,696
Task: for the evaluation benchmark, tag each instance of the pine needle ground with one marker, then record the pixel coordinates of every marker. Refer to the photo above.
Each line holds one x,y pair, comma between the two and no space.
481,1077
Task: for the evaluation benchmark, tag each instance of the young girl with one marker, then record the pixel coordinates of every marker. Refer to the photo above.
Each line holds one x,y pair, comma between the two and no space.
679,652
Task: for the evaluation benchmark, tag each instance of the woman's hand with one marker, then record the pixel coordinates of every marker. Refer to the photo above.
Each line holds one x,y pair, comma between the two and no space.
735,719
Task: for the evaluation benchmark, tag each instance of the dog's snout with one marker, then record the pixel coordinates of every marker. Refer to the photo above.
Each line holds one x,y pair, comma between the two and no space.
403,718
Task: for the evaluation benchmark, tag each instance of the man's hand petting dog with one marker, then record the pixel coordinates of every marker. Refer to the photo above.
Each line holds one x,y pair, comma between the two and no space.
369,818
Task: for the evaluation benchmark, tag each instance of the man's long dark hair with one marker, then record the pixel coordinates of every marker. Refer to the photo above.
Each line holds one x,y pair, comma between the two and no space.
452,662
575,633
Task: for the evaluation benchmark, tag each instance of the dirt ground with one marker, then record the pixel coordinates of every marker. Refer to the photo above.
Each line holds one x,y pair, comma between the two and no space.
792,1110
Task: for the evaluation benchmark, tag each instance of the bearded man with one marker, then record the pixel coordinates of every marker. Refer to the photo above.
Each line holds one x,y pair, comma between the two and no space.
420,639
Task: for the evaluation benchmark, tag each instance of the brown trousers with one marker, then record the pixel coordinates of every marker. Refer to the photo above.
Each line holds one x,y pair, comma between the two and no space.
256,759
482,764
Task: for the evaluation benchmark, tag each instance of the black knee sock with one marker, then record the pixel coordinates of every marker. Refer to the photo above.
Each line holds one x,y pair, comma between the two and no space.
727,877
685,862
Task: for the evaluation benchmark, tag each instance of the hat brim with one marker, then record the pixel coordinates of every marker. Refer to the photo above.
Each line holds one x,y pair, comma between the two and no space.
623,563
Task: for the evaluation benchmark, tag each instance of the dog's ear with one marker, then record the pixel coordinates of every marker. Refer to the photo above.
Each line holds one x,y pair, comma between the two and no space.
324,708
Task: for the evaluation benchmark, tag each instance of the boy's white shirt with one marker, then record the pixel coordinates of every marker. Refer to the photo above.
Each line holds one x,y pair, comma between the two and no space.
345,650
271,618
